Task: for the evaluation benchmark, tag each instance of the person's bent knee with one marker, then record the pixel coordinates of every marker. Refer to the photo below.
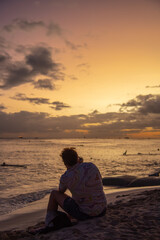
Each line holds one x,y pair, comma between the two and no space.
54,193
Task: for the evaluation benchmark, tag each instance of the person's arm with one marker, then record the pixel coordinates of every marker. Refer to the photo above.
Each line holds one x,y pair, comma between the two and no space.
62,190
62,186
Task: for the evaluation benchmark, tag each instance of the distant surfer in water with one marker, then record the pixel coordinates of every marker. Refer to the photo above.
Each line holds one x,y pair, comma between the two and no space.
85,183
125,153
12,165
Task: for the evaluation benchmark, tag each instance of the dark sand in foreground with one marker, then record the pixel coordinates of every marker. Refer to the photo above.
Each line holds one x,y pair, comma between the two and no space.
137,217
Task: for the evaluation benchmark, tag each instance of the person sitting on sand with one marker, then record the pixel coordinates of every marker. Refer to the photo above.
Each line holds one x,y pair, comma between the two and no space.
85,183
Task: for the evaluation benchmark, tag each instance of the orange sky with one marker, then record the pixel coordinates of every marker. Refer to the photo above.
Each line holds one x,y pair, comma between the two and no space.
77,57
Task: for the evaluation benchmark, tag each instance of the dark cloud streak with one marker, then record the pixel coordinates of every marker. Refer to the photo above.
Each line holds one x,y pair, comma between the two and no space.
44,84
73,46
23,24
23,97
156,86
37,100
59,105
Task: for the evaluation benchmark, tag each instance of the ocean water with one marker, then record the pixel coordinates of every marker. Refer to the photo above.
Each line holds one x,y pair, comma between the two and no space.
42,164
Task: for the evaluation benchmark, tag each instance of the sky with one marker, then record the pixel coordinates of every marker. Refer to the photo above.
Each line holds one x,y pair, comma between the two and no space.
80,68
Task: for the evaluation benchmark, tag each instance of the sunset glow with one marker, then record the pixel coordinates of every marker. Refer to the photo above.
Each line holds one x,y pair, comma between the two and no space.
71,68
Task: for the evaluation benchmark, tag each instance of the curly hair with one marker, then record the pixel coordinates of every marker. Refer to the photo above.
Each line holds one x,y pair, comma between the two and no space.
69,156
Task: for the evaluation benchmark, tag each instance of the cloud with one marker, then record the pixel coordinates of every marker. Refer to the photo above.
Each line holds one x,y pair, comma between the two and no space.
156,86
34,124
26,25
40,60
83,65
23,24
59,105
95,112
37,62
44,84
37,124
22,49
73,46
4,57
3,43
115,125
72,77
141,119
2,107
51,29
15,75
37,100
23,97
21,122
54,28
143,104
95,124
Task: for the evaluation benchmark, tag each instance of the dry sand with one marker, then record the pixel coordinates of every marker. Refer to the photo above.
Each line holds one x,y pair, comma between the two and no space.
133,218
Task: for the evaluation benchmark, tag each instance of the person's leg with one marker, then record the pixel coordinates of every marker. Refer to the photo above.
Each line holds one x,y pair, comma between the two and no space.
56,198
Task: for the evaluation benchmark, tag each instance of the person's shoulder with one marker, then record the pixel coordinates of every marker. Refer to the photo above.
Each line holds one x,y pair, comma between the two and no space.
89,165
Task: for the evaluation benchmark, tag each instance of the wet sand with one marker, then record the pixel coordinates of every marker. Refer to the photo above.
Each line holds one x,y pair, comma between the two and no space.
130,215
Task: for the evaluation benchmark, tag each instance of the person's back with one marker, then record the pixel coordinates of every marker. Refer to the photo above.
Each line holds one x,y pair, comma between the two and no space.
85,183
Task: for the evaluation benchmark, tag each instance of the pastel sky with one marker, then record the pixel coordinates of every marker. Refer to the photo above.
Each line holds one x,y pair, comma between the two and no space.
75,68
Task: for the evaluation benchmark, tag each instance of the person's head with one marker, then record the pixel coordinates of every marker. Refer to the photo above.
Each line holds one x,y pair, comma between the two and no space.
69,156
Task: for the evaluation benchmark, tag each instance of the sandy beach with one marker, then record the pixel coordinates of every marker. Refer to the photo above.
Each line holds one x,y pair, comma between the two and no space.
130,215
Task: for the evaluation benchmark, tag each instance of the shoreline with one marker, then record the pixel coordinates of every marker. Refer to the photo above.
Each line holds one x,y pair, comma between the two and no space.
33,213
